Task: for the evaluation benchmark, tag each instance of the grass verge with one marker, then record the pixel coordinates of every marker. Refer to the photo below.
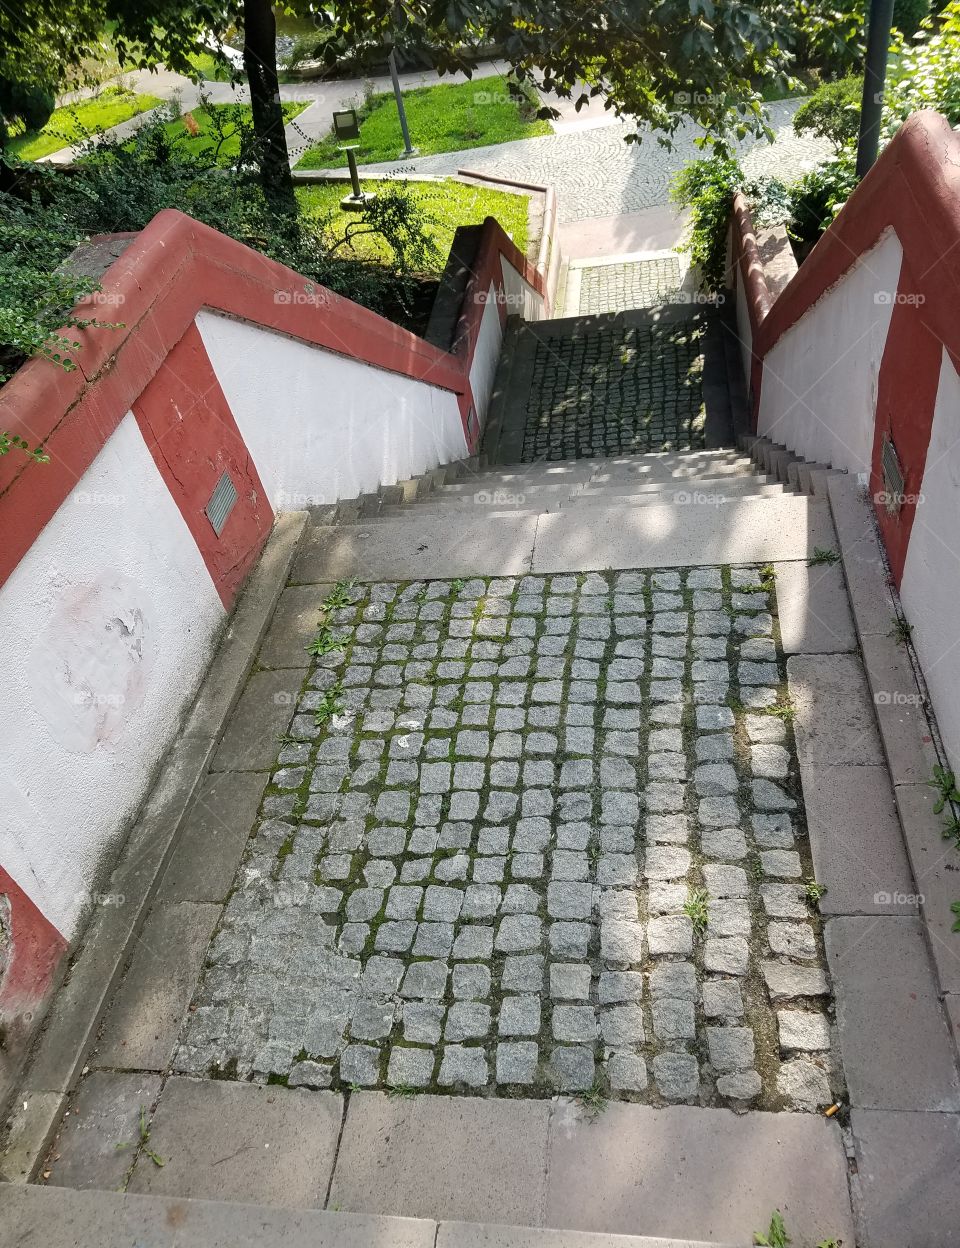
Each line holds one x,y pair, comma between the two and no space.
445,118
72,123
198,123
445,204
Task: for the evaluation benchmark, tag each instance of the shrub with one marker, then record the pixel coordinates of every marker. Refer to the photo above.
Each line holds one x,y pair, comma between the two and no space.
706,187
832,112
818,196
120,186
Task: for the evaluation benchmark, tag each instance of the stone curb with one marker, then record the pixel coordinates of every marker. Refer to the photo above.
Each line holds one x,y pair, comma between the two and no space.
901,714
78,1006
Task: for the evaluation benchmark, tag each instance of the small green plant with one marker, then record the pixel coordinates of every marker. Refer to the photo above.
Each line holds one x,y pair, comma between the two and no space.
594,1099
324,642
457,584
900,631
955,910
813,891
695,908
421,594
947,801
765,584
329,706
402,1090
782,708
776,1235
143,1140
822,554
11,442
340,596
945,783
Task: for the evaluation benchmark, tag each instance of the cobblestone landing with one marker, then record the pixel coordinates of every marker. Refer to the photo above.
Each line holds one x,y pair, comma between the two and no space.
616,390
632,284
530,835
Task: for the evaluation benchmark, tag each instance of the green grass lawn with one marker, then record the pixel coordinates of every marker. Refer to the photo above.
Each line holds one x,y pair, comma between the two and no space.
445,118
70,125
205,138
448,204
209,68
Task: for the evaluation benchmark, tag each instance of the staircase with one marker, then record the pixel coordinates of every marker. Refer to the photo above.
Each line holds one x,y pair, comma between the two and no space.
556,489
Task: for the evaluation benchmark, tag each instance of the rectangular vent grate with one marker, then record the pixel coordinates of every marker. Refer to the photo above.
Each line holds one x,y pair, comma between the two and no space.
222,501
892,476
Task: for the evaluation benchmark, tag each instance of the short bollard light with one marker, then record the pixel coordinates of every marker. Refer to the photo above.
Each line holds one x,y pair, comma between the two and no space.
346,128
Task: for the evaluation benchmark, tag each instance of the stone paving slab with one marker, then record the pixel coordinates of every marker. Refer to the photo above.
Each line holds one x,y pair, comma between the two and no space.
60,1218
469,1159
214,834
813,609
293,624
264,708
833,712
406,918
694,1172
856,841
897,1052
908,1167
907,742
241,1141
407,548
933,861
141,1028
96,1145
743,531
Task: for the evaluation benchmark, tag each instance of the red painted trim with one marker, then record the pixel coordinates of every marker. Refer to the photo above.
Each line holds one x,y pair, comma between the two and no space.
913,190
746,256
190,431
906,398
37,948
175,267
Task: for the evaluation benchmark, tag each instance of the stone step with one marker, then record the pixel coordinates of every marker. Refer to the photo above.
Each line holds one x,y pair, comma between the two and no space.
61,1217
676,495
413,545
484,484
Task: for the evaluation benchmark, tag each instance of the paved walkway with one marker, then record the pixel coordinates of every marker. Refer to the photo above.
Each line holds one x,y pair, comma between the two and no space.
597,174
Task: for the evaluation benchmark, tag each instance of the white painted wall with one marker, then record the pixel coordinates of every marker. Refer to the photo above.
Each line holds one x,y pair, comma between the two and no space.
486,356
522,299
819,391
320,426
931,575
107,623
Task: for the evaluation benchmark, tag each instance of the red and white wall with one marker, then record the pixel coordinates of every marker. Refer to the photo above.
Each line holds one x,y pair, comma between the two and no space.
863,347
114,583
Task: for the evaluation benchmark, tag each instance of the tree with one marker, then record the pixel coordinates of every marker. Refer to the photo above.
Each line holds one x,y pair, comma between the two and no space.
24,103
659,62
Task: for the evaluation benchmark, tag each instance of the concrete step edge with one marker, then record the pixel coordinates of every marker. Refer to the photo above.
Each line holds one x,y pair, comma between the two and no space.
61,1216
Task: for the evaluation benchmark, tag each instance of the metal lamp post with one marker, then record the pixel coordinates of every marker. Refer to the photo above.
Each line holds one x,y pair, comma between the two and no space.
871,109
408,149
346,128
